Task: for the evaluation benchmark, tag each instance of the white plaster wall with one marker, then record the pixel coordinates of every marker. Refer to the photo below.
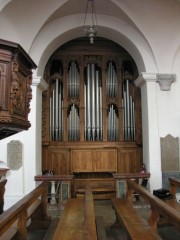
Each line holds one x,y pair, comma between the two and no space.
21,182
15,187
152,40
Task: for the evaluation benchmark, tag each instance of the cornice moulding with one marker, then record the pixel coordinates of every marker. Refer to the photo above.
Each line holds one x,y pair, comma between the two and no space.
164,79
145,77
40,83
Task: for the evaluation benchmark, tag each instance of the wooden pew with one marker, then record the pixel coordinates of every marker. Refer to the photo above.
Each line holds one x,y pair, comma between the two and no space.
14,221
158,207
137,227
134,225
78,219
174,184
2,191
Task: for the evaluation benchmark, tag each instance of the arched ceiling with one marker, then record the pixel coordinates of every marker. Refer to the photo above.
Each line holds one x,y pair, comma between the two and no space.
42,26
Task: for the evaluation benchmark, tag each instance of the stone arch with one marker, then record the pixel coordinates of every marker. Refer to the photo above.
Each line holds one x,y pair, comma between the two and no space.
49,39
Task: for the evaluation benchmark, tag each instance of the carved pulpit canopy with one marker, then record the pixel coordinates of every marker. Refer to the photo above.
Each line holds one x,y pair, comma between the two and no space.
15,88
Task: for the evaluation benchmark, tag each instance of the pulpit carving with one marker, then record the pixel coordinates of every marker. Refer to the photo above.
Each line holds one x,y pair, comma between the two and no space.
15,84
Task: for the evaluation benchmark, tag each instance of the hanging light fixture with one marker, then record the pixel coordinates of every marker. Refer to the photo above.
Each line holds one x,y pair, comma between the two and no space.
90,29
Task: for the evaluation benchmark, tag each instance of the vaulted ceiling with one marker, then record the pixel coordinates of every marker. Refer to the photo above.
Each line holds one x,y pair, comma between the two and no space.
137,25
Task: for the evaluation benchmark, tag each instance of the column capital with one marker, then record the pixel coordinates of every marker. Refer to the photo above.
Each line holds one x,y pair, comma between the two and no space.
165,80
40,83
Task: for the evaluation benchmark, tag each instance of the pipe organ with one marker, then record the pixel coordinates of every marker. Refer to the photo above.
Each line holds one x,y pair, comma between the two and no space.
91,110
93,129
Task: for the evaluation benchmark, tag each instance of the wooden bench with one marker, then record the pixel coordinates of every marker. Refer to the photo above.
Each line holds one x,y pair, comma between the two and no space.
2,191
51,229
33,207
101,231
158,207
174,184
133,223
135,226
78,219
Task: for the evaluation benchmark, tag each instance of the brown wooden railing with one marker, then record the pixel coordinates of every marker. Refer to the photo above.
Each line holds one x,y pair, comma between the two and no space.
2,191
158,206
13,222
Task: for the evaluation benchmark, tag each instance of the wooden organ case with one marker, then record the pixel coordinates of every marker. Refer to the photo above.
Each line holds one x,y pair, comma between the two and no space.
91,113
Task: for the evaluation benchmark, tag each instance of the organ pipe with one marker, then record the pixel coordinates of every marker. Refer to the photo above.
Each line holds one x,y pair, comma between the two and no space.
56,116
73,80
73,123
113,123
93,104
128,113
111,80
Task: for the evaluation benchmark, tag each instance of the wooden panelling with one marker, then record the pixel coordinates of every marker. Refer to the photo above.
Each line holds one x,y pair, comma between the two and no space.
82,160
97,160
57,161
84,157
106,160
127,160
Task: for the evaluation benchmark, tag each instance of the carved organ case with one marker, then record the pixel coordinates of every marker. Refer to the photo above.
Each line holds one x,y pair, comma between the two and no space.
15,86
91,110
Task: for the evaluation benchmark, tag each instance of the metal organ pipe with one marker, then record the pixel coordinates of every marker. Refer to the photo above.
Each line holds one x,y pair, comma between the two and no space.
113,123
111,80
73,123
73,93
93,104
56,104
128,113
73,80
112,114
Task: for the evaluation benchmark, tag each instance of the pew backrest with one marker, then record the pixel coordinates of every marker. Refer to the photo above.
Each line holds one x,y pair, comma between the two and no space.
158,206
14,220
174,184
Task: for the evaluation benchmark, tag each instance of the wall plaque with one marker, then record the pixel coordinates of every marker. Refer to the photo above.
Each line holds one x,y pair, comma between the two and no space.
169,154
14,155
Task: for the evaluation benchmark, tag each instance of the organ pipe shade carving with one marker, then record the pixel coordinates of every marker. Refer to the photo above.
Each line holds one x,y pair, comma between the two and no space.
56,113
93,103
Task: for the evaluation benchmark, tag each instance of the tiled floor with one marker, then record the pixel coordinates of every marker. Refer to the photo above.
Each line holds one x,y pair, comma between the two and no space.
104,208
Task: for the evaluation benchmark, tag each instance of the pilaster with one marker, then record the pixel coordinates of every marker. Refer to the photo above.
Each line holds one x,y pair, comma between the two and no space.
151,139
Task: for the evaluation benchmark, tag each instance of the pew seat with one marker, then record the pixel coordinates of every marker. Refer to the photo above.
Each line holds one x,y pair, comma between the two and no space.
78,219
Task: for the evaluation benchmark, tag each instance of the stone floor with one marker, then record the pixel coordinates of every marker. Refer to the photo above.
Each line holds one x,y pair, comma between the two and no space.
104,208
